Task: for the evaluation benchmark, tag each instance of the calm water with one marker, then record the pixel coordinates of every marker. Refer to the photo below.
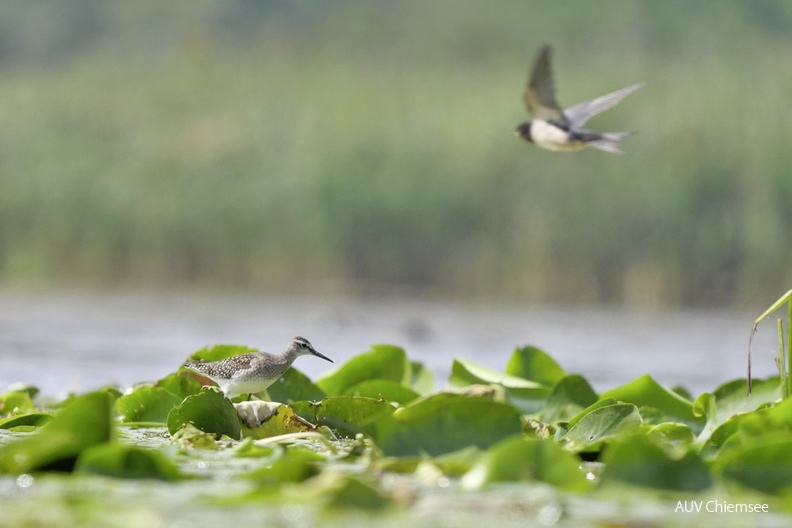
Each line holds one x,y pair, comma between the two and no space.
76,342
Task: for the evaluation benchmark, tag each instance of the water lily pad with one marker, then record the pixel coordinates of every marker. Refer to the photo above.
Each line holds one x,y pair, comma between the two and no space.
383,362
646,392
16,402
125,461
218,352
29,420
146,404
765,464
295,464
568,398
294,386
744,431
266,419
536,365
637,460
356,494
85,422
729,401
209,411
527,459
248,448
674,439
600,424
422,379
443,423
179,385
528,396
348,415
190,437
389,390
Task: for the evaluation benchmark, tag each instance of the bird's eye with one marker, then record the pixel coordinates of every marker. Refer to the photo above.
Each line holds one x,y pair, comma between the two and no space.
303,345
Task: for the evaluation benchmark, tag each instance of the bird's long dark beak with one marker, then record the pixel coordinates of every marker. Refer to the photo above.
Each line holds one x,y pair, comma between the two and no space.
317,354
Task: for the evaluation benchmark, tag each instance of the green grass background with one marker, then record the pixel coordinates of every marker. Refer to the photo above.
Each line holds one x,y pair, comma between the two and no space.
362,145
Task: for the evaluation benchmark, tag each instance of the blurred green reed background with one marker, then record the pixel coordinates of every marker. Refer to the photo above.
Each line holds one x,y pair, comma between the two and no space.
361,145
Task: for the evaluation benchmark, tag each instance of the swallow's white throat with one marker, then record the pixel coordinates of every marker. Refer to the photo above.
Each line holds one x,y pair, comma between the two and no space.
551,137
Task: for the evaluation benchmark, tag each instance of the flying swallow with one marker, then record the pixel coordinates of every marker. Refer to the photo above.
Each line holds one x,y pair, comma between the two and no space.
552,128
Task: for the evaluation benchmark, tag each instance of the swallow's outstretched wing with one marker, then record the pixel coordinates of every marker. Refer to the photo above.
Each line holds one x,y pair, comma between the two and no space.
539,95
580,113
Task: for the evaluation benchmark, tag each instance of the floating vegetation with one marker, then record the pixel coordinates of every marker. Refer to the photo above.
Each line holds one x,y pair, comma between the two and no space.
376,437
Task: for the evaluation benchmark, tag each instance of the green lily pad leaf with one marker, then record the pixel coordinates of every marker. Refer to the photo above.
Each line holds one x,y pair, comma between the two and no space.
674,439
265,419
86,421
389,390
383,362
209,411
600,424
596,405
683,392
442,423
459,462
294,386
112,392
747,430
218,352
346,414
124,461
29,420
568,398
190,437
249,449
31,390
453,464
355,494
16,402
146,404
527,459
730,401
295,465
179,385
637,460
422,380
765,464
646,392
536,365
528,396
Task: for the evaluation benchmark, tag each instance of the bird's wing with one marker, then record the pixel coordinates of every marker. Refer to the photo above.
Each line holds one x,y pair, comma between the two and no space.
539,95
582,112
243,363
211,369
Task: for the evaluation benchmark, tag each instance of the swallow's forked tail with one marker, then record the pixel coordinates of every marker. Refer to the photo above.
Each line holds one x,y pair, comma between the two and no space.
609,141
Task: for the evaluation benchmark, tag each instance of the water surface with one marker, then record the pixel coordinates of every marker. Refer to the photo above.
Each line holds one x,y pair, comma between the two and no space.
79,341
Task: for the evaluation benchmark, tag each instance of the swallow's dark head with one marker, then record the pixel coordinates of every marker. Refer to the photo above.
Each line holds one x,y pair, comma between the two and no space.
524,131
